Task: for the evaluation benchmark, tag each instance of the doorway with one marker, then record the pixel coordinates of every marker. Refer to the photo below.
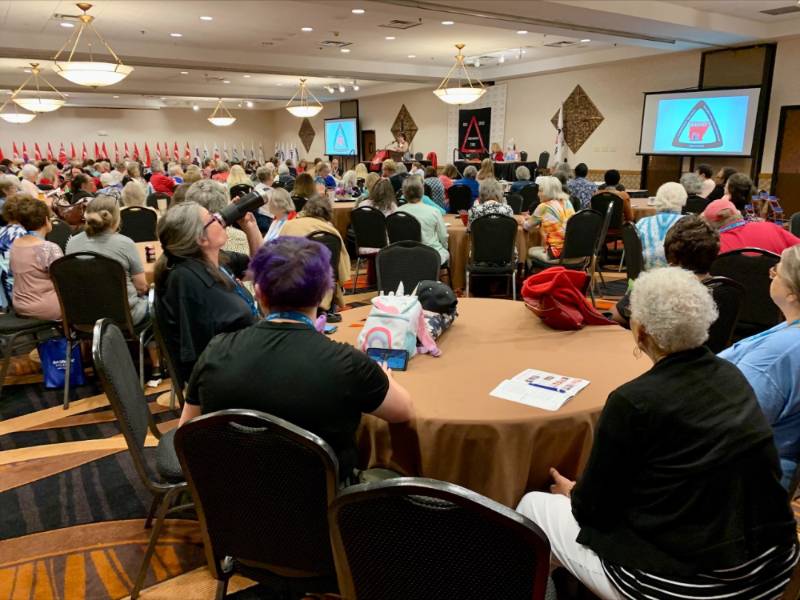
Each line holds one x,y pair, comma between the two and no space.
786,170
367,144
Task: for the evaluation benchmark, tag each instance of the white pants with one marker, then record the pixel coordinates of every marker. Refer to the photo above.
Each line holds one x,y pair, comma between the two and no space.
553,514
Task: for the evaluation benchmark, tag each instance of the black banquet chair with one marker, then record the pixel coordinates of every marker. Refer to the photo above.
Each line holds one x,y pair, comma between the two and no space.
729,296
632,253
407,263
695,205
138,223
152,199
369,227
402,227
21,334
428,540
794,224
460,198
60,234
334,244
262,488
530,198
240,190
515,202
750,267
156,320
118,379
580,237
493,238
299,202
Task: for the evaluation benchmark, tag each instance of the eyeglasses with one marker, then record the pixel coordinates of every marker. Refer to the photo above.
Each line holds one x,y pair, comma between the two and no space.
214,218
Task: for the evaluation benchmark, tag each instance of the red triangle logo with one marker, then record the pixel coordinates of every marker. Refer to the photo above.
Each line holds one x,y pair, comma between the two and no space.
473,125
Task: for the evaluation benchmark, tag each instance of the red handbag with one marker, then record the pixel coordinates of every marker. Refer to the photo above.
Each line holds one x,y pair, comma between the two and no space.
557,296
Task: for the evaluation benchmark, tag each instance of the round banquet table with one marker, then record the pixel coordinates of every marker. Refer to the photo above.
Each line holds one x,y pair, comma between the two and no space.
341,216
498,448
641,208
149,268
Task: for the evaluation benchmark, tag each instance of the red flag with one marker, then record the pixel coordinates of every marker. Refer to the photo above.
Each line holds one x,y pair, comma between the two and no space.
1,154
135,151
175,152
24,152
96,151
37,153
127,152
62,154
49,151
84,152
188,152
105,152
73,154
157,150
146,154
16,152
116,152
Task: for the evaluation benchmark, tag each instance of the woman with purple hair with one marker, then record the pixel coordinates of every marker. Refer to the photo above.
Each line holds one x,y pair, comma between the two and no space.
284,366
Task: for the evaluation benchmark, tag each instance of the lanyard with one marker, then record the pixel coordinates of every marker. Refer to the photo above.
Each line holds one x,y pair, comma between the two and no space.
291,316
241,292
36,234
732,226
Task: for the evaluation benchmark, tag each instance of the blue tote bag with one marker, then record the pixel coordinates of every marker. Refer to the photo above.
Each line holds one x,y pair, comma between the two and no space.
54,364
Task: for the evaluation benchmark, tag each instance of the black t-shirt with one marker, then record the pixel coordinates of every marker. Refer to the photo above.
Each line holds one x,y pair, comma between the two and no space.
292,372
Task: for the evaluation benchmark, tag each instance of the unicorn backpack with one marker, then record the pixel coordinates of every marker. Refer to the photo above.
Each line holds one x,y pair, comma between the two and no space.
395,322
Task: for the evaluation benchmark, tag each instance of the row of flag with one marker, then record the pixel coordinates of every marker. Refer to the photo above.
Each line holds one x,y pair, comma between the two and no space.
119,152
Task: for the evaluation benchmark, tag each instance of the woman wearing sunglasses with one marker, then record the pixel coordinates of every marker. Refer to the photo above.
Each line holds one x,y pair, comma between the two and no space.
198,286
771,363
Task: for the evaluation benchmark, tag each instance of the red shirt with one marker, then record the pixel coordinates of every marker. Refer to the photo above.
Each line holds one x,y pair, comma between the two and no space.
162,183
755,234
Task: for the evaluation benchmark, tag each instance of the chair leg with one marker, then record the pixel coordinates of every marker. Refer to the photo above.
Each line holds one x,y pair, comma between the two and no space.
621,260
222,588
7,351
67,373
466,291
166,500
514,285
355,277
153,506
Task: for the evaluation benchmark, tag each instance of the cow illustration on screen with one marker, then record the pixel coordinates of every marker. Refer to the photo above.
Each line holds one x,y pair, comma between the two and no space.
699,129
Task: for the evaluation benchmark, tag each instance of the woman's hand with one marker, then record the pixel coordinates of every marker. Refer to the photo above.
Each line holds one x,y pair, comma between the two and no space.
248,220
561,484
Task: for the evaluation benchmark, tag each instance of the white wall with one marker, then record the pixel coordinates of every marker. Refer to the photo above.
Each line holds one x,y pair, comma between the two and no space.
785,92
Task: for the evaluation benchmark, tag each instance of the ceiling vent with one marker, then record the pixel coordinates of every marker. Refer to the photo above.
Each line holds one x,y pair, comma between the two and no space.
560,44
334,44
400,24
783,10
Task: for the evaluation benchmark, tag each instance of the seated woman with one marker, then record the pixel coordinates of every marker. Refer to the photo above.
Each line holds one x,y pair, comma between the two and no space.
281,207
436,187
497,152
316,216
490,201
770,362
739,190
449,175
381,197
470,173
434,232
197,284
693,185
349,185
324,177
523,174
551,216
304,186
266,367
670,200
691,244
30,259
213,196
8,233
681,495
486,171
237,176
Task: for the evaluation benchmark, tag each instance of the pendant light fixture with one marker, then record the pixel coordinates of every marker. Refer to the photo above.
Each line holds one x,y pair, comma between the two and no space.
454,91
221,117
302,108
38,103
90,73
15,117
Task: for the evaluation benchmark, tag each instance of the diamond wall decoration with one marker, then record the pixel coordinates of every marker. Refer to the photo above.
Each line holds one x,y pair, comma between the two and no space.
581,118
404,122
306,134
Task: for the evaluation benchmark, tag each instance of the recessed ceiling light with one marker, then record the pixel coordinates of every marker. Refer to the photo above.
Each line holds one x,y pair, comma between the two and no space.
176,35
358,11
341,88
344,50
206,18
389,37
226,81
246,76
67,24
163,97
524,51
306,29
522,32
412,56
502,59
195,107
356,87
448,22
249,104
66,95
184,72
116,97
279,84
585,41
26,70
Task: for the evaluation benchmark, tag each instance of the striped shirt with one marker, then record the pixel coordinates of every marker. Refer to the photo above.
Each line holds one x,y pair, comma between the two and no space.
762,578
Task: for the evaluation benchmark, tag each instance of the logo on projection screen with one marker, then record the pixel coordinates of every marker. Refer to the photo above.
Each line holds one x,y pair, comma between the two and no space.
340,144
699,129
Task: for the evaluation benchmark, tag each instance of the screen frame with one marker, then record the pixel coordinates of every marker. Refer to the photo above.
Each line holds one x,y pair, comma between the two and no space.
710,90
358,136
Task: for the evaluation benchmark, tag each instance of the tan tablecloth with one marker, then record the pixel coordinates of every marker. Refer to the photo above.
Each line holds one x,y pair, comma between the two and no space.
498,448
641,209
341,216
458,244
149,268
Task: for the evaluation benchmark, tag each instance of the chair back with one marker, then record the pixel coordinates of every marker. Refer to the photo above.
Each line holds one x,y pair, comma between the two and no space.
530,198
608,213
601,201
418,156
120,382
515,202
369,227
240,189
794,224
262,488
171,361
580,234
634,255
138,223
299,202
523,155
60,234
544,160
750,267
401,227
152,199
576,203
694,205
407,262
729,296
430,540
460,197
494,237
332,243
91,287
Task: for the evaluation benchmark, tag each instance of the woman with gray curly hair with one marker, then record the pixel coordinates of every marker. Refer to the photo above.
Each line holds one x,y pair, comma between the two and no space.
681,495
